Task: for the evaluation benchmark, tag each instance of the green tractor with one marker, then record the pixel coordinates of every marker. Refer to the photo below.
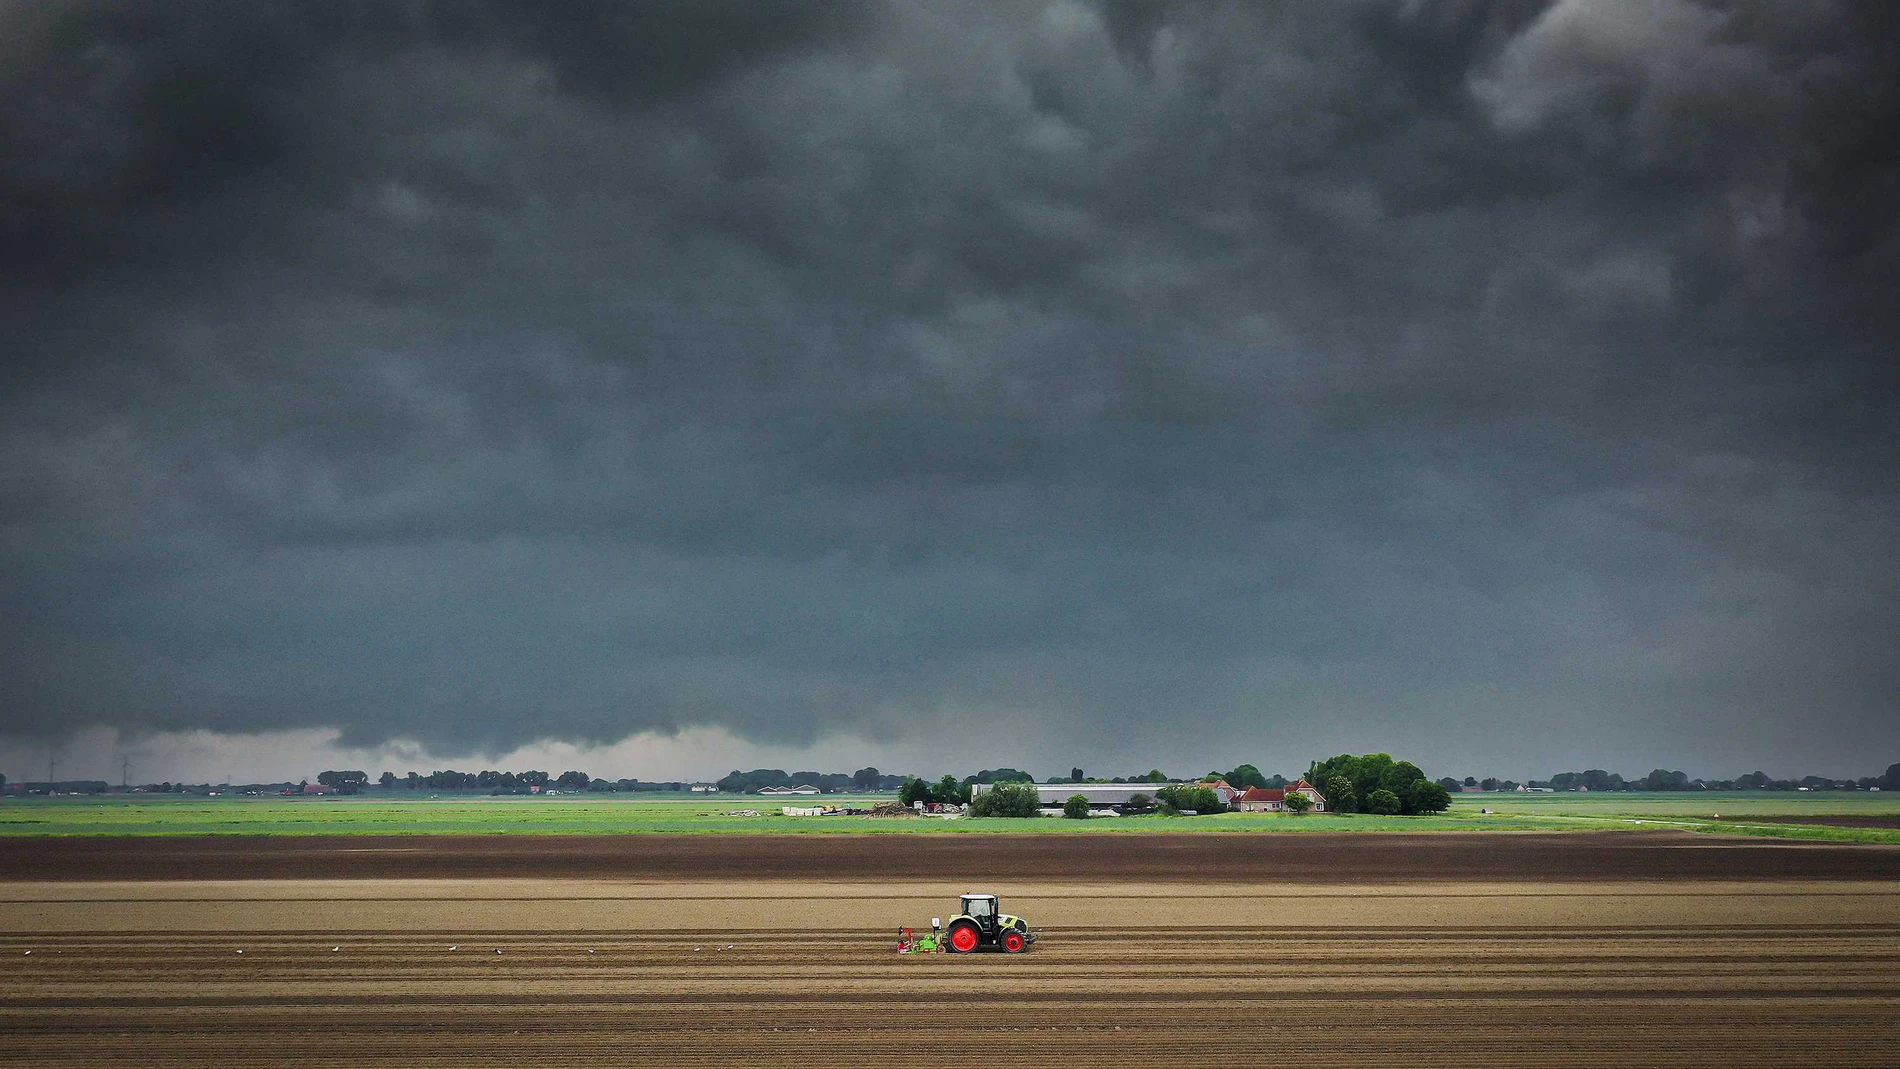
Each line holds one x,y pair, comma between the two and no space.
982,924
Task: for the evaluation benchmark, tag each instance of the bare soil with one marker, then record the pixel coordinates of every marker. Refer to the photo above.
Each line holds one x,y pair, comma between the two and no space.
705,972
1347,858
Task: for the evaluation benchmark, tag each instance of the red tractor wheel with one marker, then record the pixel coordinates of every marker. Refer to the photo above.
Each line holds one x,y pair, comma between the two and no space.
1013,942
962,938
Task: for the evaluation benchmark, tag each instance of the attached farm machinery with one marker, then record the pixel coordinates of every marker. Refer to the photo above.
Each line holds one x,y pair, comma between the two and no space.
981,926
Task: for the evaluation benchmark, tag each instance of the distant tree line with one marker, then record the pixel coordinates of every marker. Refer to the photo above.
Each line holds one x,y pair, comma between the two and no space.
864,779
451,780
64,786
1077,776
1662,779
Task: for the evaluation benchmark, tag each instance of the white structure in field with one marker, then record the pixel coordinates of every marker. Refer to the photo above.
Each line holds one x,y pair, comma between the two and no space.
1100,794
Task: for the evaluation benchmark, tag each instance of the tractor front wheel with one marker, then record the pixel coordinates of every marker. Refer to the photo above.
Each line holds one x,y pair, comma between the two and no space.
1013,942
962,938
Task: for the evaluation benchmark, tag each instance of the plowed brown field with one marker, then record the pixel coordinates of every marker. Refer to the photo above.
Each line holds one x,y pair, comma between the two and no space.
1347,856
700,972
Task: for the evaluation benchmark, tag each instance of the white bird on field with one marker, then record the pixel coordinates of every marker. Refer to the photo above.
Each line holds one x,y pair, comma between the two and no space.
335,949
240,952
455,948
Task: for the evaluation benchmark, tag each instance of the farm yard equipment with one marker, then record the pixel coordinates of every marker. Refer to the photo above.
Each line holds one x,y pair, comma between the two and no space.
907,943
981,926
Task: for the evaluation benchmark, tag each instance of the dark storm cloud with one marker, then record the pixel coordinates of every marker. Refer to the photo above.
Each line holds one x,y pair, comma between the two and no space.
1505,382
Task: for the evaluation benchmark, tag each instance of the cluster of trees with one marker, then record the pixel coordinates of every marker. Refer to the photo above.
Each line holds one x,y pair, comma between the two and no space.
1246,776
1189,797
947,791
864,779
1375,783
1000,775
1011,798
344,782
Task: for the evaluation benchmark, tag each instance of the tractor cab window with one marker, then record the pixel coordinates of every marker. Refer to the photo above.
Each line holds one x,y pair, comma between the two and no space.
979,907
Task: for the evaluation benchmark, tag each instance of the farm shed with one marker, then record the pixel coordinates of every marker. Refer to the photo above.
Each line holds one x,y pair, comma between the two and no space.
1100,795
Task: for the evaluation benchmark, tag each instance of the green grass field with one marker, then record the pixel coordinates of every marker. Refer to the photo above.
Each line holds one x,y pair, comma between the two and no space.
374,813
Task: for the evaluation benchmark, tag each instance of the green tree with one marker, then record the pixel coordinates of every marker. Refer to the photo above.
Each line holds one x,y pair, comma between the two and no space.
1138,803
1383,802
574,781
1427,797
345,782
1398,777
1011,799
1190,796
950,792
1246,776
1076,808
866,779
999,775
1075,775
1297,803
387,780
913,791
1340,795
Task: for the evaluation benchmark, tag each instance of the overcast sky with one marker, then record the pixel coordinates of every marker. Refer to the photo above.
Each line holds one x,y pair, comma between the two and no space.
673,387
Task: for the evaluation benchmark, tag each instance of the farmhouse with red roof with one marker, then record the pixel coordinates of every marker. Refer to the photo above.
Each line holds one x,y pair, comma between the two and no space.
1273,799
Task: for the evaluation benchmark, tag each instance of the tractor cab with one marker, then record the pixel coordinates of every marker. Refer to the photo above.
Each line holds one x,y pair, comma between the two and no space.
984,924
981,909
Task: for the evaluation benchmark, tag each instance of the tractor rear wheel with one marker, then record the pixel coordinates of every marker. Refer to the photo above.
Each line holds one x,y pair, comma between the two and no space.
1013,942
962,938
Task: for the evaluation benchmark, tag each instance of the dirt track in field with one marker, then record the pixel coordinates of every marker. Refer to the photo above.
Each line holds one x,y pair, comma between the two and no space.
636,973
1351,857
